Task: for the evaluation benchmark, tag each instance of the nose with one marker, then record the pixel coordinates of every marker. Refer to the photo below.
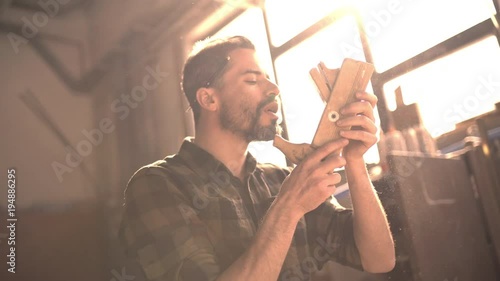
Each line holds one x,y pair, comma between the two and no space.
272,88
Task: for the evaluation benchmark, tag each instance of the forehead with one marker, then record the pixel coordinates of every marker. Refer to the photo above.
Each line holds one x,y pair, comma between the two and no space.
242,60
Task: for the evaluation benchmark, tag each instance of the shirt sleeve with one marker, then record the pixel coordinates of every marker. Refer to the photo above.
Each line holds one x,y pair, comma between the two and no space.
330,230
163,233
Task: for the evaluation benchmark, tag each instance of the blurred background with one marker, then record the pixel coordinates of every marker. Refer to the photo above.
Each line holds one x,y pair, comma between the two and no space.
90,92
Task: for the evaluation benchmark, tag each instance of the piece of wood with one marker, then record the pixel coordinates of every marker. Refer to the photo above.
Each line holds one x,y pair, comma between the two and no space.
321,84
324,78
353,77
293,151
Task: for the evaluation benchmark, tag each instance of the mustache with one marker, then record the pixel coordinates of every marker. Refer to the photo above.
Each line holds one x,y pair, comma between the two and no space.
271,98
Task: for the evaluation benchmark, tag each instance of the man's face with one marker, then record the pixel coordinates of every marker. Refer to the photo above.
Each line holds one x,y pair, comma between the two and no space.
249,105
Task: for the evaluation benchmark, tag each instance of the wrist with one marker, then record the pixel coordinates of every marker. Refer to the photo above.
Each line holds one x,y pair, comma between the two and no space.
354,160
285,211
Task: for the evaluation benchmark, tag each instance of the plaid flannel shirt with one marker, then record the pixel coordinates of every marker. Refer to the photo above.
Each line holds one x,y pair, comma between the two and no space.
188,218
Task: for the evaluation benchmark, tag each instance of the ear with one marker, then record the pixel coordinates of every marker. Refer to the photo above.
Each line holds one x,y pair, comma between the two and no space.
207,99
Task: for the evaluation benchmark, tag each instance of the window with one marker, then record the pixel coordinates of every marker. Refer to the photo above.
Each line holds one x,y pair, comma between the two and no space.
454,88
400,29
287,18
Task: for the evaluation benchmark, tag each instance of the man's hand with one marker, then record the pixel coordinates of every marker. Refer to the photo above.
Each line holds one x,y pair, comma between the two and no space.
371,229
363,132
313,180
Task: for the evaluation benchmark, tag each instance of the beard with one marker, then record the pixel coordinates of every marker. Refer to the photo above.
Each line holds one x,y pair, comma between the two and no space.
244,121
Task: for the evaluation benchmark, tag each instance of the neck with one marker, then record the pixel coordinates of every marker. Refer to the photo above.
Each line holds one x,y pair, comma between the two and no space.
225,146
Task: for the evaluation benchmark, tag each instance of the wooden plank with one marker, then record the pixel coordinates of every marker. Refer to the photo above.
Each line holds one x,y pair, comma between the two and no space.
352,77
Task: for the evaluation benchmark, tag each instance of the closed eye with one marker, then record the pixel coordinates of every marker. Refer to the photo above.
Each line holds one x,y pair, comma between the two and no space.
251,82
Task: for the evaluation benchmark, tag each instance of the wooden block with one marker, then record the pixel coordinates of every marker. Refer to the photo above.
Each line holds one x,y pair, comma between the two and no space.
329,74
318,79
352,77
324,78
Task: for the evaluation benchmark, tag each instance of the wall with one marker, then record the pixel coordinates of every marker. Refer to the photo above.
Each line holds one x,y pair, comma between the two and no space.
68,220
27,144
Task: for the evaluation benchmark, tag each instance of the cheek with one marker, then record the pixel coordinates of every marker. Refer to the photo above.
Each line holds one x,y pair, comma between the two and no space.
245,104
239,100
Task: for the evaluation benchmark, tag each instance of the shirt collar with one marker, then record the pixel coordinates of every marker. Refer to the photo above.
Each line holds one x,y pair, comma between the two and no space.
203,163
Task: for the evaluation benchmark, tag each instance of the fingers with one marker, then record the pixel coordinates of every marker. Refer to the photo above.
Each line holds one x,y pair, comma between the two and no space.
368,139
371,98
321,190
330,163
325,150
360,114
358,120
330,180
326,184
365,104
357,108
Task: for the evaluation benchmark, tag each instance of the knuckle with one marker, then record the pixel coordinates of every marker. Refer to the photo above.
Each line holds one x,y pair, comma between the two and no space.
317,183
315,174
323,182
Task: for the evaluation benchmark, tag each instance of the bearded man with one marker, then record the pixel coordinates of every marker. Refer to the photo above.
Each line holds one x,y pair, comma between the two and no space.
211,212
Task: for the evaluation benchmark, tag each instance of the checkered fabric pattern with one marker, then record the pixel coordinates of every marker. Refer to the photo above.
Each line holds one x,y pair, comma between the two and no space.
188,218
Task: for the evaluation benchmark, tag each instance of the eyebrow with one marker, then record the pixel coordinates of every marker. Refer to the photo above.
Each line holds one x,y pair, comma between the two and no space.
256,72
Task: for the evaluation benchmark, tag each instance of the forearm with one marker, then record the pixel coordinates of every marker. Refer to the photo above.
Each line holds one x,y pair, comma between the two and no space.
264,258
371,229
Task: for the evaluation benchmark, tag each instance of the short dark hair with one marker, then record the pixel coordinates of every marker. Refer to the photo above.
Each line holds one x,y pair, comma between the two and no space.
206,64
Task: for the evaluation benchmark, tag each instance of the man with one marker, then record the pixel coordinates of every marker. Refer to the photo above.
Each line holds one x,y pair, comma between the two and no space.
212,213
